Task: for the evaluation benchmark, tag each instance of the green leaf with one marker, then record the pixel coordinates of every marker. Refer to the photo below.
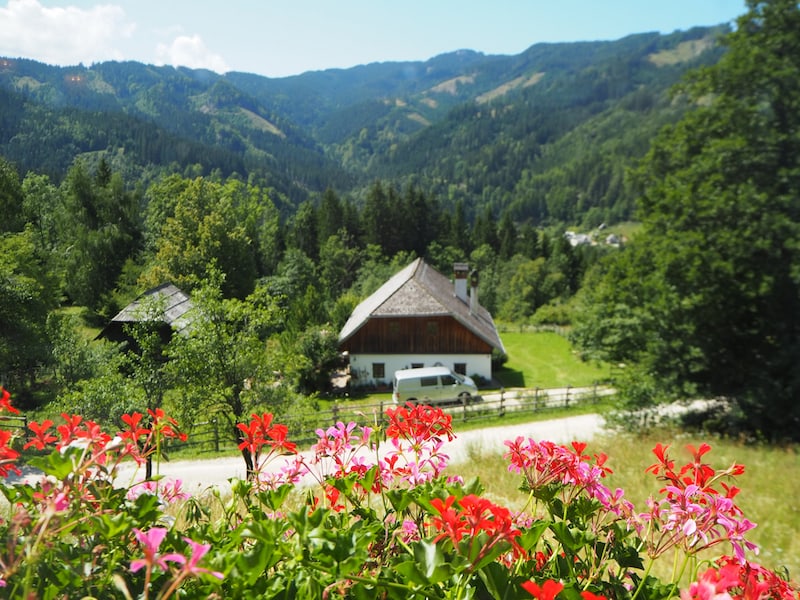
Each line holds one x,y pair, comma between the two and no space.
400,499
411,573
274,499
56,464
496,579
531,536
431,562
627,556
571,538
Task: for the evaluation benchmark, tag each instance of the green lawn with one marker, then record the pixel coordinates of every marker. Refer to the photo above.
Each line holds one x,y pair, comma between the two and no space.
545,360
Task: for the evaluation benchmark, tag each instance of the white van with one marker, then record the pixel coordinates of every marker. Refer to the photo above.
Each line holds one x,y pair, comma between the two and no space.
432,385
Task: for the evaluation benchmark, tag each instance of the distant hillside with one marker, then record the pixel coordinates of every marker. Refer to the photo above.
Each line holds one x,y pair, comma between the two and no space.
546,133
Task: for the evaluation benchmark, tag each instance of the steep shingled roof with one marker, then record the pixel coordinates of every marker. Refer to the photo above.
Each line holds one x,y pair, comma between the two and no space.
419,290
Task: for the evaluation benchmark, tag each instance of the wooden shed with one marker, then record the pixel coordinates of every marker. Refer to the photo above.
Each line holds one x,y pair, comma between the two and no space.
165,304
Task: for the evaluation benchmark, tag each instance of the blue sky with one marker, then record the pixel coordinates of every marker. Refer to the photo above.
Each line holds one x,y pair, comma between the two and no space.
286,37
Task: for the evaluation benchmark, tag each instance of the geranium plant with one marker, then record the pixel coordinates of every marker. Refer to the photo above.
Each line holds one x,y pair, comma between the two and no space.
367,512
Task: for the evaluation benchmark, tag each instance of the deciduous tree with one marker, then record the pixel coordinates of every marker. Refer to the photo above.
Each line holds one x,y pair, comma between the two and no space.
711,288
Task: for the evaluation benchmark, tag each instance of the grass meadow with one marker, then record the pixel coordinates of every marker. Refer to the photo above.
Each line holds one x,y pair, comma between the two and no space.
770,486
545,359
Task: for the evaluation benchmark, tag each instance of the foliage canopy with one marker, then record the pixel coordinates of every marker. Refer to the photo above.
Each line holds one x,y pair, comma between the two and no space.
705,301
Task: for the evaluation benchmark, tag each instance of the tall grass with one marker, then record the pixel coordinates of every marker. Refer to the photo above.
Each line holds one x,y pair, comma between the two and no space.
770,486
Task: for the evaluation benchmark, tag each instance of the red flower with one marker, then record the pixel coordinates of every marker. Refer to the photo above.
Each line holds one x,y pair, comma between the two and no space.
7,455
69,429
260,432
332,495
548,591
134,432
164,425
472,516
418,423
5,401
42,437
449,522
587,595
664,464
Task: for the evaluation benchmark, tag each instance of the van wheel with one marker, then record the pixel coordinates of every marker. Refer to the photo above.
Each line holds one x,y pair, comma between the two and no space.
465,398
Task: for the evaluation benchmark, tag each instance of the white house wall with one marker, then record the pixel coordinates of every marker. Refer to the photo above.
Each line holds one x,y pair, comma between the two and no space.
361,365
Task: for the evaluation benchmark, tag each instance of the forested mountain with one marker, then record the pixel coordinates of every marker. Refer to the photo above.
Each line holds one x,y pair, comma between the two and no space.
545,134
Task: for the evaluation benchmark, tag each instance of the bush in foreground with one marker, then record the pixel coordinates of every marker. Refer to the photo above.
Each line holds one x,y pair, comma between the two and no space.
366,520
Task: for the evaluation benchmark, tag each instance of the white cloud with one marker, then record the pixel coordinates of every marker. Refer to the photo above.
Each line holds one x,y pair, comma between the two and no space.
64,35
191,51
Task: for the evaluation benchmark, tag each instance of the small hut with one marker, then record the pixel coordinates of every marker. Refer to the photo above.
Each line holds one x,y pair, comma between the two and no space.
165,304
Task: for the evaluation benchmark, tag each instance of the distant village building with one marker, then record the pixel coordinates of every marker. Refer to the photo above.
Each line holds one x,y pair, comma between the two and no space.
419,318
577,239
165,304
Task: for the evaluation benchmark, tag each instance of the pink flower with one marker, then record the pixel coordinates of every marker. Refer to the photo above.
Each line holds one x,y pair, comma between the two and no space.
150,542
167,490
198,552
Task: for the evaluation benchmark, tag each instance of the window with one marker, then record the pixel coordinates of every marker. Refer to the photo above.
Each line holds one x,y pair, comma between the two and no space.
460,368
417,365
448,380
378,370
429,381
432,327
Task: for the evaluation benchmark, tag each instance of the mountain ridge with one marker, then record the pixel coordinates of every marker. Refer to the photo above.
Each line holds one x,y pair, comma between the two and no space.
341,128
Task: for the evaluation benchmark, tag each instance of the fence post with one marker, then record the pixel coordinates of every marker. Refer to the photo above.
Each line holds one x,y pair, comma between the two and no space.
335,412
216,434
502,411
536,398
566,397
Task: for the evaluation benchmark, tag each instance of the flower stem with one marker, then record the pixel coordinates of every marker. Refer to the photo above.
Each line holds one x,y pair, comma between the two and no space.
646,574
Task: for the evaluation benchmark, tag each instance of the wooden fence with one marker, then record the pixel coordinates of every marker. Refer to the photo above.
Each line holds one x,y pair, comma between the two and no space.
215,435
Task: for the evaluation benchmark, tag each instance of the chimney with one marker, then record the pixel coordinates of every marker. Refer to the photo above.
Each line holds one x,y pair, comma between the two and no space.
473,293
460,272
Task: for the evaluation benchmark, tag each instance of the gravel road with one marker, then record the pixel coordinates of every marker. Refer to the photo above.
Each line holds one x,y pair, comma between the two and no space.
200,475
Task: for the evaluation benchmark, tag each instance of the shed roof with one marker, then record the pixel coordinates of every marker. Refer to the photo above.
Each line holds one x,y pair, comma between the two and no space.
419,290
171,303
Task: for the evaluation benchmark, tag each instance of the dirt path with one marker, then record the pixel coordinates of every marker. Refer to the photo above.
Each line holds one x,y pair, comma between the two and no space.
200,475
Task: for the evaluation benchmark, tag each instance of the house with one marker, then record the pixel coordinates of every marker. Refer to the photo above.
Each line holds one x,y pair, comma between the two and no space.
166,304
419,318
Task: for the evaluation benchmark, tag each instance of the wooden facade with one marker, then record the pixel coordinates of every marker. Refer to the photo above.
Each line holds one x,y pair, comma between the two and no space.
415,335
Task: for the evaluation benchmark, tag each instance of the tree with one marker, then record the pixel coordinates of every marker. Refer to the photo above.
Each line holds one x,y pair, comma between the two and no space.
507,236
98,230
222,358
712,284
339,261
27,294
209,229
10,197
330,217
303,234
484,230
41,201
